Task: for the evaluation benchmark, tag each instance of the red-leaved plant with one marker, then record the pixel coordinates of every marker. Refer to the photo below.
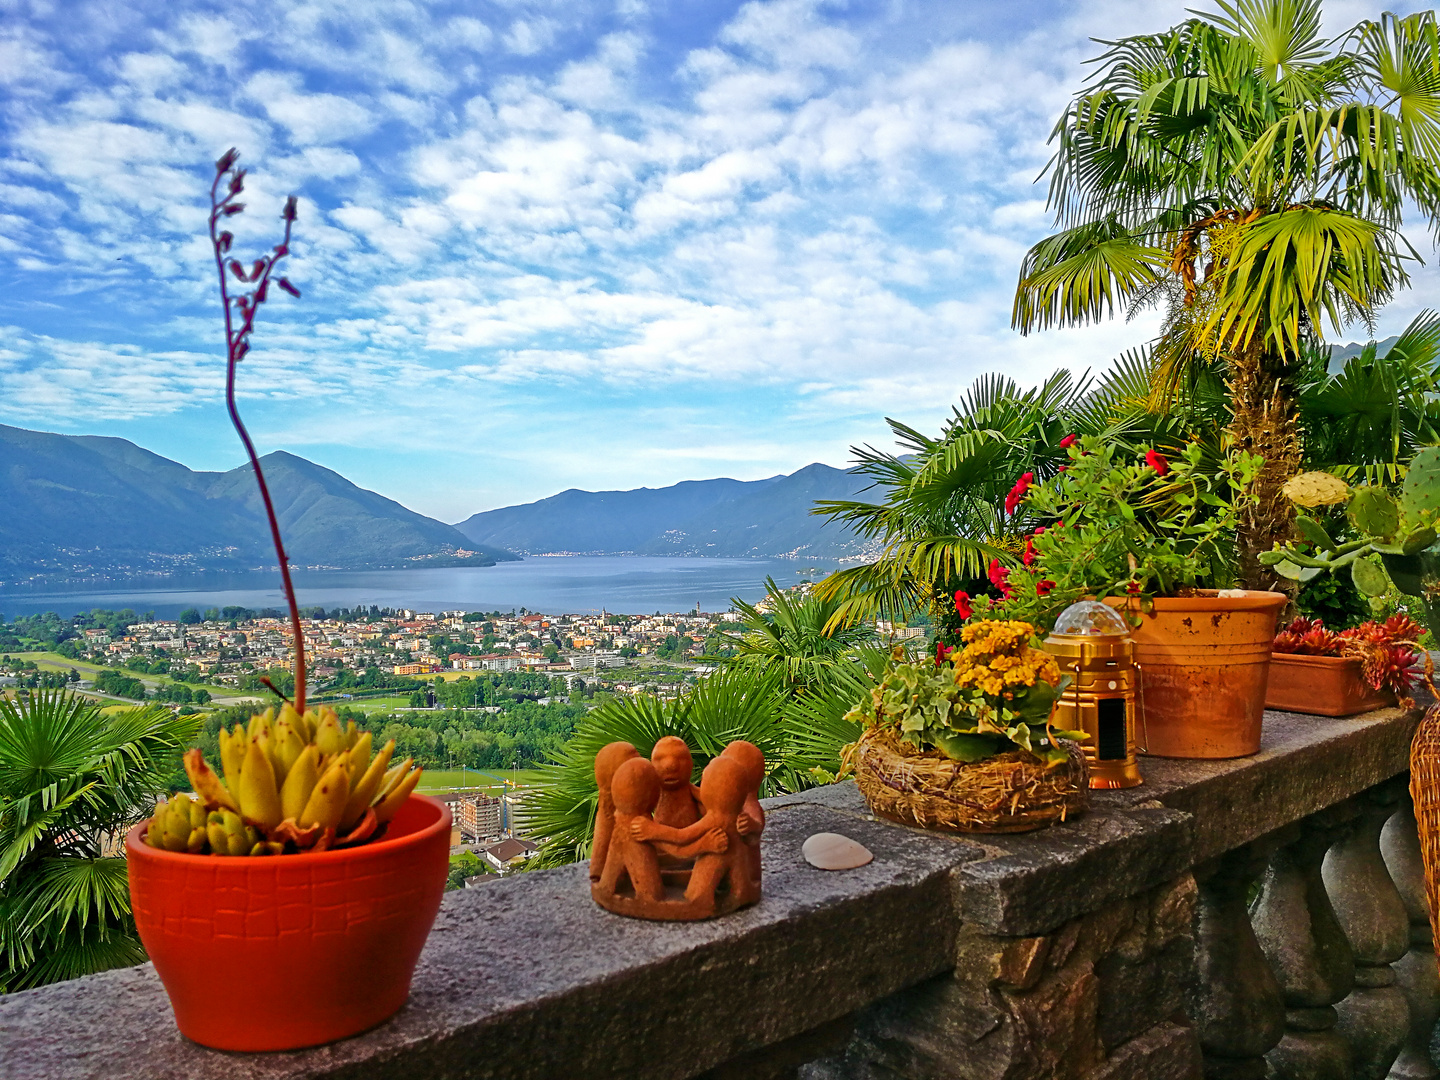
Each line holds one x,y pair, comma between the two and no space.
240,312
1388,651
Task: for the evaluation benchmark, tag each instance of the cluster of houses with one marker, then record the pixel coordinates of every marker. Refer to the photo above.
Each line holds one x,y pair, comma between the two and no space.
415,642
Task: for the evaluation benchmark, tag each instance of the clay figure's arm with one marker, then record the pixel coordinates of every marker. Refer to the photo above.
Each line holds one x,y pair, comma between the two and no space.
642,828
751,820
713,842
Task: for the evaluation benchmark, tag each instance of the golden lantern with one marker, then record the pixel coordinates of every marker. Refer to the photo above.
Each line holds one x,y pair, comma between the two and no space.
1092,643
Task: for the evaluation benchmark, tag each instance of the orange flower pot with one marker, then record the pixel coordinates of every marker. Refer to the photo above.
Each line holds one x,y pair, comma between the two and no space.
1204,664
1321,686
285,951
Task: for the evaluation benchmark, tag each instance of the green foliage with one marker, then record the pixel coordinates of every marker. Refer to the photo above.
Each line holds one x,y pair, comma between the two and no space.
116,684
71,779
1125,528
465,864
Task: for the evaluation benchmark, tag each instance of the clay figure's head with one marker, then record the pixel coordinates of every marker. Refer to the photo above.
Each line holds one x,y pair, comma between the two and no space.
723,786
673,762
609,759
635,788
750,756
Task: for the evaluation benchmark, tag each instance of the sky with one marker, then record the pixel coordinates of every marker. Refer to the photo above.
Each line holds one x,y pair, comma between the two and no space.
542,244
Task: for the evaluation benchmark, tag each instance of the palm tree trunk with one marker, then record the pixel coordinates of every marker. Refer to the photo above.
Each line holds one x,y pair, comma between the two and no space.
1265,422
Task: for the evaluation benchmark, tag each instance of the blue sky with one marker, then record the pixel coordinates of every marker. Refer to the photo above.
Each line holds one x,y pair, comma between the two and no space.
542,244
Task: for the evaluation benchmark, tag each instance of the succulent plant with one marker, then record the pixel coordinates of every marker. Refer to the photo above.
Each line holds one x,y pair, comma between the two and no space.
299,782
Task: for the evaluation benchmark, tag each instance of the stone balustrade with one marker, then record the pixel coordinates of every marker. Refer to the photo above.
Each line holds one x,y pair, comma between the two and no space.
1250,918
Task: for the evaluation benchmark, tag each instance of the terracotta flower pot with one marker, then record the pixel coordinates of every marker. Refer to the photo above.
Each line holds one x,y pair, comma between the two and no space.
1204,663
280,952
1321,686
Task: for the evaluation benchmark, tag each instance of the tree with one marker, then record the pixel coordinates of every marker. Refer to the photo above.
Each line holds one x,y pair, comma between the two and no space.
1251,177
71,779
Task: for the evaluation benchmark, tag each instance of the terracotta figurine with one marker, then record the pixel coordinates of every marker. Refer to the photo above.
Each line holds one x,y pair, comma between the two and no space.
635,791
609,759
751,822
679,798
665,849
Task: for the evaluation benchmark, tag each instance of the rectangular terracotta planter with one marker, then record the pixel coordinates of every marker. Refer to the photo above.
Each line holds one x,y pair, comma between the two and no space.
1321,686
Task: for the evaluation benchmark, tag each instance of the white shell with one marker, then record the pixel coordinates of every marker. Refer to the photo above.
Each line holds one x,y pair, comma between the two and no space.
831,851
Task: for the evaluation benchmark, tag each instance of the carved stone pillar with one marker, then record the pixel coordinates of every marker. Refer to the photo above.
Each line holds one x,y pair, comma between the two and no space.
1237,1007
1415,972
1374,1019
1296,926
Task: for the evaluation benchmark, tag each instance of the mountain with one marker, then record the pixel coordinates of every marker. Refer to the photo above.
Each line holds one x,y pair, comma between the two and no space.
731,518
87,505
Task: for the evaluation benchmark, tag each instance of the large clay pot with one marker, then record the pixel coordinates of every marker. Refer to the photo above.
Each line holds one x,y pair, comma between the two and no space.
1204,662
1321,686
285,951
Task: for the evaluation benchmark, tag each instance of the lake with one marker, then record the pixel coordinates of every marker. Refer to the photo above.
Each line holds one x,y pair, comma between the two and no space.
624,584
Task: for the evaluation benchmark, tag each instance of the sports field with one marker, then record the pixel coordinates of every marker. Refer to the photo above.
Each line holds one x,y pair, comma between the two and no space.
492,780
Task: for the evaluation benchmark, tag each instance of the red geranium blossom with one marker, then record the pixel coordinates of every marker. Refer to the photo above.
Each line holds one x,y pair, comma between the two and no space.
1157,462
1068,441
942,652
1012,500
962,604
1000,577
1028,555
1043,587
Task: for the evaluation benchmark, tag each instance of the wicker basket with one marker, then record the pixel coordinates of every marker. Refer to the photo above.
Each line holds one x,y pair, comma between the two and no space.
1425,791
1008,793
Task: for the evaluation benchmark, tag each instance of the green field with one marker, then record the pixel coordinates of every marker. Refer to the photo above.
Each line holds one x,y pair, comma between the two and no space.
438,780
49,661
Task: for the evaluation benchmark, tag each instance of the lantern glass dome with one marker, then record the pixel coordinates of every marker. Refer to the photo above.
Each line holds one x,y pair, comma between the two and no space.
1090,618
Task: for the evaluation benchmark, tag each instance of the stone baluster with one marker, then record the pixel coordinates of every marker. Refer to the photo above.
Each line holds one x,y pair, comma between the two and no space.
1236,1004
1374,1019
1415,972
1307,949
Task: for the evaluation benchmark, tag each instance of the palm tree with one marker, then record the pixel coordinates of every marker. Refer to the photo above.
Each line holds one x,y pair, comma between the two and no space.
794,636
942,514
72,779
1371,416
1252,177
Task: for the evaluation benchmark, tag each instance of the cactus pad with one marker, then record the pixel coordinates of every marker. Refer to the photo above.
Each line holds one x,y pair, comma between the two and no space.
1312,531
1421,493
1315,489
1375,513
1369,577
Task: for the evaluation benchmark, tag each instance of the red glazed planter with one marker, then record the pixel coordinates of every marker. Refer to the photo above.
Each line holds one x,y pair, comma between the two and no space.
285,951
1321,686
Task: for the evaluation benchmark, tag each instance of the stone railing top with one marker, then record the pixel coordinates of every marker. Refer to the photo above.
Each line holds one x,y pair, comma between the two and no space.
526,978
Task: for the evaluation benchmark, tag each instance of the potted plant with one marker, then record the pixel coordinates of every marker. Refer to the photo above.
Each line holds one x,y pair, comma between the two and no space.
1319,671
1156,538
286,901
963,742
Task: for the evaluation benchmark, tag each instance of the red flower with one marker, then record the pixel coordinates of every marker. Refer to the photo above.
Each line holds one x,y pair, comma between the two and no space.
942,652
1012,500
1157,462
1028,555
1068,441
1043,587
1133,588
962,604
1000,577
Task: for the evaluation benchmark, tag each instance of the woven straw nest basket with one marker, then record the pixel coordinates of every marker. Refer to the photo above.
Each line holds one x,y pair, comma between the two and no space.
1008,793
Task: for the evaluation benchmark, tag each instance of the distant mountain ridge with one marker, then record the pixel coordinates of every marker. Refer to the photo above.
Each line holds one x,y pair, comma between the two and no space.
721,518
87,505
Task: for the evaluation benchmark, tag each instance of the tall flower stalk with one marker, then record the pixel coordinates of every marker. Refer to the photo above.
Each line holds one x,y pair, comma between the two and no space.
240,312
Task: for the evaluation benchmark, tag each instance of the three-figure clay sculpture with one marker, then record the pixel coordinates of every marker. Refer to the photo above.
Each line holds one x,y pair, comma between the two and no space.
666,849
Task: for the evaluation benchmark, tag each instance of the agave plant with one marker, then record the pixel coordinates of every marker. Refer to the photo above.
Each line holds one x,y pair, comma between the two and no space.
72,780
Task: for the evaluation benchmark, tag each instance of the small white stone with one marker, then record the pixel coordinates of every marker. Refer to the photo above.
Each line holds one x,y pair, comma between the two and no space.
831,851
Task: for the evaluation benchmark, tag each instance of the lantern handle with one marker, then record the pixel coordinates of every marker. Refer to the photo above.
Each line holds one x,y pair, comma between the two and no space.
1140,703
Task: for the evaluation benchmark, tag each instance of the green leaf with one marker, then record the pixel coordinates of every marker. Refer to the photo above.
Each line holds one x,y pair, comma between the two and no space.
1369,577
970,747
1314,532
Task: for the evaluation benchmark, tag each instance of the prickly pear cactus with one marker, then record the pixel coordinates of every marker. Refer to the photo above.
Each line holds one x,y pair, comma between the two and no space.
1315,489
1369,577
1420,497
296,783
1375,513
